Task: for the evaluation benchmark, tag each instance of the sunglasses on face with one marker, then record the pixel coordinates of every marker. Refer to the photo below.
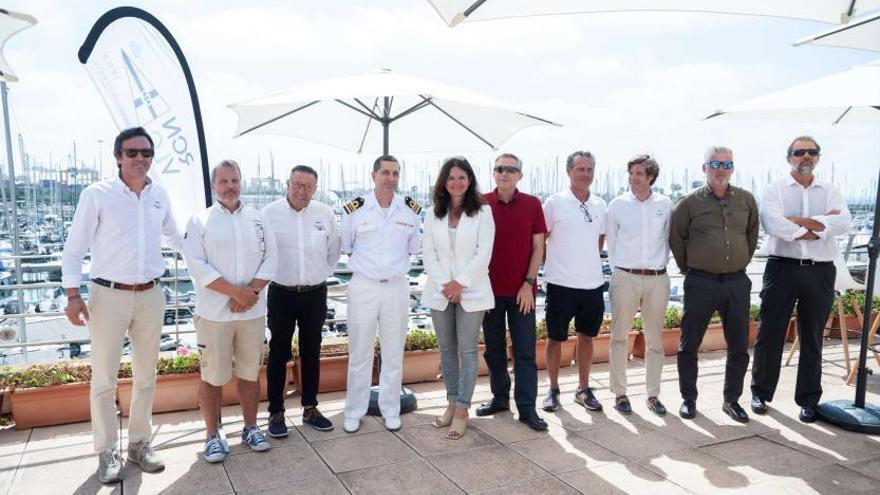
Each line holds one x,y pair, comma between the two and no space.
716,164
133,152
500,169
799,153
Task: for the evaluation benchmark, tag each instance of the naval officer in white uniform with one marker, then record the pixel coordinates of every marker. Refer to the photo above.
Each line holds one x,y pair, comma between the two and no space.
380,232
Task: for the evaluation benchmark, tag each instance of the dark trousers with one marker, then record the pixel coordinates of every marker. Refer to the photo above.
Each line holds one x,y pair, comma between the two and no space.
288,310
812,289
522,336
705,293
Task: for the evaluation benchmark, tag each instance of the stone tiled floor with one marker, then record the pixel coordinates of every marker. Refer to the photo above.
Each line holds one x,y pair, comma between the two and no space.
582,451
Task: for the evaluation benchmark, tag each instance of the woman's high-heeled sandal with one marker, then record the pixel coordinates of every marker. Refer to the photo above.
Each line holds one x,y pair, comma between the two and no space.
456,431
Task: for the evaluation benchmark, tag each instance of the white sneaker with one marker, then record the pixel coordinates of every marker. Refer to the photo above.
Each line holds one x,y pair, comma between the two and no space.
393,423
351,425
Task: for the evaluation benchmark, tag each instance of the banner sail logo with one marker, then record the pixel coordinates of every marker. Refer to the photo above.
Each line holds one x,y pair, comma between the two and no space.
144,83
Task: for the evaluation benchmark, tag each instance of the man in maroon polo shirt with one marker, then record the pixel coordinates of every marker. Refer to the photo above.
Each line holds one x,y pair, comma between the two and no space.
516,257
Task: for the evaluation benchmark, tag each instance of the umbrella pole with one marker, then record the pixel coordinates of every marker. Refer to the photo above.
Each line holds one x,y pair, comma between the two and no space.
857,415
385,123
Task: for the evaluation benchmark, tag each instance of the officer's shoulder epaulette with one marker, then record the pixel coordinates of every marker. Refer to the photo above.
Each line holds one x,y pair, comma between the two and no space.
415,207
353,205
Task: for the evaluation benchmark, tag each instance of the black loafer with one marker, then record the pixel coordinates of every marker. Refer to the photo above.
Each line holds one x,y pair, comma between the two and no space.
622,405
656,407
533,421
807,414
688,409
759,405
735,411
492,407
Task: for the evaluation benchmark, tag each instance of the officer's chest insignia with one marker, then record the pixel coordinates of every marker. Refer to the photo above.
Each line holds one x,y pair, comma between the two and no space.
353,205
415,207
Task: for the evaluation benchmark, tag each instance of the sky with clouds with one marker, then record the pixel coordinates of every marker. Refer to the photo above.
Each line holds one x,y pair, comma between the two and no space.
619,83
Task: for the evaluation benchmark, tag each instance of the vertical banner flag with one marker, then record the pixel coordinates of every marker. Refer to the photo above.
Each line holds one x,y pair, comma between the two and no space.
144,80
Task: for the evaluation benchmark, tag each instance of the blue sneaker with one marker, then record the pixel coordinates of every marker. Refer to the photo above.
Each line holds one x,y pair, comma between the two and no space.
214,451
254,438
277,425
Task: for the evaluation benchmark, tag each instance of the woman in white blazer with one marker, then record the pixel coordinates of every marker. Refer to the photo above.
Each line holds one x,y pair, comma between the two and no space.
459,233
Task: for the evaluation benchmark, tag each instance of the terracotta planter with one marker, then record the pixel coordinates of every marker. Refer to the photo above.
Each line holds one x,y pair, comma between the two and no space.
230,390
713,339
671,337
753,332
484,368
421,366
602,346
566,358
47,406
334,373
851,323
173,393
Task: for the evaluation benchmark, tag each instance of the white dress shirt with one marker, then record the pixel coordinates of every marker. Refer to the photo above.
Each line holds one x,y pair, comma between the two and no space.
573,258
637,232
787,198
308,242
236,246
124,232
380,243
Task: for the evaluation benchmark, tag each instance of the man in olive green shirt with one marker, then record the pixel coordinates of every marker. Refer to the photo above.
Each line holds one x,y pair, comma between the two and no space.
713,234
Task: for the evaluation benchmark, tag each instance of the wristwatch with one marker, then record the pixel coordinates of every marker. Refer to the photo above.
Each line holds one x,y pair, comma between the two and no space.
530,281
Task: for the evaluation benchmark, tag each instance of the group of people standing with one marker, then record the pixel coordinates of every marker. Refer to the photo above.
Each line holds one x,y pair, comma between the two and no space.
482,254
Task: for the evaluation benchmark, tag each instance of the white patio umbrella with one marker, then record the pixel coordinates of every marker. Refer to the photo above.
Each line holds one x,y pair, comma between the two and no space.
357,113
852,96
11,23
454,12
849,96
862,33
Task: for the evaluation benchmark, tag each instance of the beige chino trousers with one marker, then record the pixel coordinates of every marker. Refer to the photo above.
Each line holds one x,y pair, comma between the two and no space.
628,294
113,313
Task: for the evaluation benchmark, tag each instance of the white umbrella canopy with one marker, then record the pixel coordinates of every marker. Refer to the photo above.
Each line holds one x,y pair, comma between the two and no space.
454,12
862,33
11,23
351,113
852,96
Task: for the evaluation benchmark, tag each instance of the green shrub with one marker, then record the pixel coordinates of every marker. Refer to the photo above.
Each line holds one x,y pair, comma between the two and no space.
673,317
45,375
860,300
420,340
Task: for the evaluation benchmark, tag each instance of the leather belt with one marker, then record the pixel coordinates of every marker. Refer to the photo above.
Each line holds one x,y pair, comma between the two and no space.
797,261
299,288
716,276
116,285
640,271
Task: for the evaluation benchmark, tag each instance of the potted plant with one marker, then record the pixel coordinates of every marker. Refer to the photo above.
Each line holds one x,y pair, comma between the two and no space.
602,342
48,394
177,383
671,333
334,368
851,317
421,357
567,351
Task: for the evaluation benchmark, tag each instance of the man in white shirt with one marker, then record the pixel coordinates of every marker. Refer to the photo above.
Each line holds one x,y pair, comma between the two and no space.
122,222
379,233
573,270
308,249
231,255
637,232
802,216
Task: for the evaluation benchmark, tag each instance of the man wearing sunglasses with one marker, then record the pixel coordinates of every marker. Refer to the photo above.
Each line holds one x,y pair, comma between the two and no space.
122,222
575,221
713,235
231,255
802,216
513,268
